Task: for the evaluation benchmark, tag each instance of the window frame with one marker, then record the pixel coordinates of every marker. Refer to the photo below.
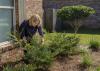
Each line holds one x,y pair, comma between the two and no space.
13,21
21,4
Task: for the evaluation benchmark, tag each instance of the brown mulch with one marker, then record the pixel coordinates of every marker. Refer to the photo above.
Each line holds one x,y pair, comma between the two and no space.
12,56
67,64
73,63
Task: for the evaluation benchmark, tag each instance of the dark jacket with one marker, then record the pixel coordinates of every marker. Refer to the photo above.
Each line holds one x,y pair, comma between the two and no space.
29,31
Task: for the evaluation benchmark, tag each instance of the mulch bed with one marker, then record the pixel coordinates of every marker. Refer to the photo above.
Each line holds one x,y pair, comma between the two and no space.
72,63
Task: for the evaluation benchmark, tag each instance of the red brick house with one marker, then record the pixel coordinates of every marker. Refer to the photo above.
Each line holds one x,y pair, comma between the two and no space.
13,12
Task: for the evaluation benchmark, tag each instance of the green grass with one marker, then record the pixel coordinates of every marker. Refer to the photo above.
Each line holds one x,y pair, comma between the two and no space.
84,38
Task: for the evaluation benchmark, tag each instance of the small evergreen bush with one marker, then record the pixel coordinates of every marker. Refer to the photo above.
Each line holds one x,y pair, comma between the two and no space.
62,44
39,56
94,45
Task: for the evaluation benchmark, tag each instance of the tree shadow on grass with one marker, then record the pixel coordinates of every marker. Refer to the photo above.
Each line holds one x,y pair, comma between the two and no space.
82,30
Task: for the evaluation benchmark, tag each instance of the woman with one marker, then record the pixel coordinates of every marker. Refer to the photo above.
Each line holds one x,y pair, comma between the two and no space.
29,27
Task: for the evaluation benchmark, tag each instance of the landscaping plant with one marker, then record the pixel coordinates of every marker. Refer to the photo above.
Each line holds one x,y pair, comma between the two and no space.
16,40
61,44
98,69
75,14
86,60
41,57
24,67
94,45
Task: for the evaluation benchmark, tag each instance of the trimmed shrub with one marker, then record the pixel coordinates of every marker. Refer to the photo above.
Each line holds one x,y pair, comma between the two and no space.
74,14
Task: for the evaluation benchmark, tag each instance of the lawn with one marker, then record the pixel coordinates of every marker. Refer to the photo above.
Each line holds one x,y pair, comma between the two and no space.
84,38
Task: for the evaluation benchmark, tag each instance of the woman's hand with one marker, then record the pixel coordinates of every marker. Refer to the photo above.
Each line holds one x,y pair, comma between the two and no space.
42,40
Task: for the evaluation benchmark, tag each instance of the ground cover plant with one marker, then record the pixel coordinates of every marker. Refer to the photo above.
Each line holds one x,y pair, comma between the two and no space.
87,60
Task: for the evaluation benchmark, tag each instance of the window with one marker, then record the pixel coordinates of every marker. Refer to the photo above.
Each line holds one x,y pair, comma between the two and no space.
6,18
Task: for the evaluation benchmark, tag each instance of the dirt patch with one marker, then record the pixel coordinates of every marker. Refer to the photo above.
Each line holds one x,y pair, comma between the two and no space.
96,58
67,64
13,55
73,63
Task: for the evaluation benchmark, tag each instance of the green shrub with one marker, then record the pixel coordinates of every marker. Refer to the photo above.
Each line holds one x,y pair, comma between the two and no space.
74,14
35,52
42,55
87,60
39,56
16,40
36,41
62,44
98,69
80,51
94,45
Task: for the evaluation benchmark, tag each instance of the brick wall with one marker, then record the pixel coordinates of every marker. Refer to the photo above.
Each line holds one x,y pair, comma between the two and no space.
93,21
32,7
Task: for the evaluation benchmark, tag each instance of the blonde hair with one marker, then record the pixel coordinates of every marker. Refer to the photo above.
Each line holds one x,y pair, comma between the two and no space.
35,20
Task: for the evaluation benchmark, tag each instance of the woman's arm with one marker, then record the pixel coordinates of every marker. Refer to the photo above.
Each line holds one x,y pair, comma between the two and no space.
22,29
41,33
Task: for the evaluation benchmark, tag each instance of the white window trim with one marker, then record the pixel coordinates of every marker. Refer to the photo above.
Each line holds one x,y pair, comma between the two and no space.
7,43
6,7
21,6
14,16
